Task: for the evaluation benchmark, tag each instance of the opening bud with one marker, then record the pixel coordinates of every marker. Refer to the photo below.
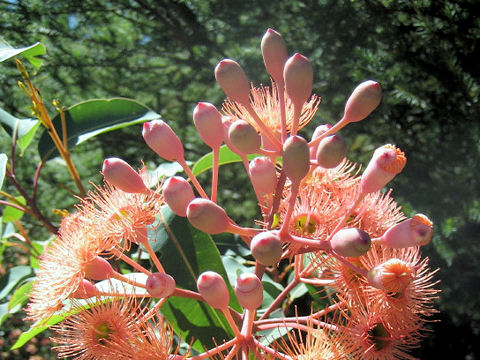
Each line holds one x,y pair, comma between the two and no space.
387,161
249,291
364,99
160,285
162,139
244,137
296,158
331,151
120,174
393,276
98,269
85,290
298,75
266,248
233,81
319,131
416,231
274,53
263,175
207,216
208,122
351,242
178,194
213,289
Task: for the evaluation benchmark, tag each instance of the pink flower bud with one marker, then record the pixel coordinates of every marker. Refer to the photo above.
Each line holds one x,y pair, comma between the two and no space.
160,285
213,289
416,231
266,248
207,216
319,130
331,151
274,53
208,122
178,194
98,269
387,161
233,81
393,276
364,99
298,75
249,291
350,242
162,139
85,290
263,175
244,137
296,158
118,173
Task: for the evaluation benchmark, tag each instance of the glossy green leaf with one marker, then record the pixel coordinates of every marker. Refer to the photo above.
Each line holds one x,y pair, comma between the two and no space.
20,295
12,278
185,253
35,330
3,168
12,214
26,128
226,156
93,117
31,52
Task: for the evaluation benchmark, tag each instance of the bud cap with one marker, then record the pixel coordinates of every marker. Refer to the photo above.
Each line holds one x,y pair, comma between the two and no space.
233,81
162,139
274,53
351,242
160,285
331,151
249,291
120,174
213,289
296,158
416,231
298,75
178,194
266,248
208,122
244,137
207,216
263,175
364,99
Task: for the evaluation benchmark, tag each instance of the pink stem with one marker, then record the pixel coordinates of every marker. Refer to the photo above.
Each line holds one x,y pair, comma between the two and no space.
248,323
216,156
281,102
192,178
291,206
130,262
297,110
279,298
216,350
153,256
232,323
339,125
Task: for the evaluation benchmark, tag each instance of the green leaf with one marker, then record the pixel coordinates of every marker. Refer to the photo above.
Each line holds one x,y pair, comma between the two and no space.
12,278
11,214
226,156
185,255
3,168
93,117
20,296
26,139
31,52
35,330
26,128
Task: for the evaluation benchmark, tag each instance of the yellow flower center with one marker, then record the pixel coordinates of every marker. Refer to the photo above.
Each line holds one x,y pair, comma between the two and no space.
379,336
306,223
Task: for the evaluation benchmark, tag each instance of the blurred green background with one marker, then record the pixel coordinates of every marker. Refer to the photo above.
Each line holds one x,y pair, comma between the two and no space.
424,53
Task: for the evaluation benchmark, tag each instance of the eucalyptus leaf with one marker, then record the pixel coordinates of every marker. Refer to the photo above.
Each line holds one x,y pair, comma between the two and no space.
3,169
31,52
20,296
26,128
12,214
226,156
12,278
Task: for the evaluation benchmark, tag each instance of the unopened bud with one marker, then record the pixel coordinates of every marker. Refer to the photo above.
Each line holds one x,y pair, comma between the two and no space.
274,53
98,269
263,175
213,289
249,291
208,122
416,231
85,290
387,161
296,159
393,276
298,75
266,248
207,216
351,242
319,130
160,285
232,80
244,137
178,194
331,151
120,174
162,139
364,99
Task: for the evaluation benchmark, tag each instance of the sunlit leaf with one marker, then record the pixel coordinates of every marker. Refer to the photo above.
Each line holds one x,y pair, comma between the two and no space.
12,278
31,52
12,214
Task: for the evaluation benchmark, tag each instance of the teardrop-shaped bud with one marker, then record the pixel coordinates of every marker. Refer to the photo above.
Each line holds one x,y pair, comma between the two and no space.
393,276
298,75
249,291
274,53
351,242
244,137
319,130
98,269
120,174
208,122
178,194
387,161
416,231
213,289
85,290
364,99
207,216
263,175
160,285
296,158
331,151
233,81
162,139
266,248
